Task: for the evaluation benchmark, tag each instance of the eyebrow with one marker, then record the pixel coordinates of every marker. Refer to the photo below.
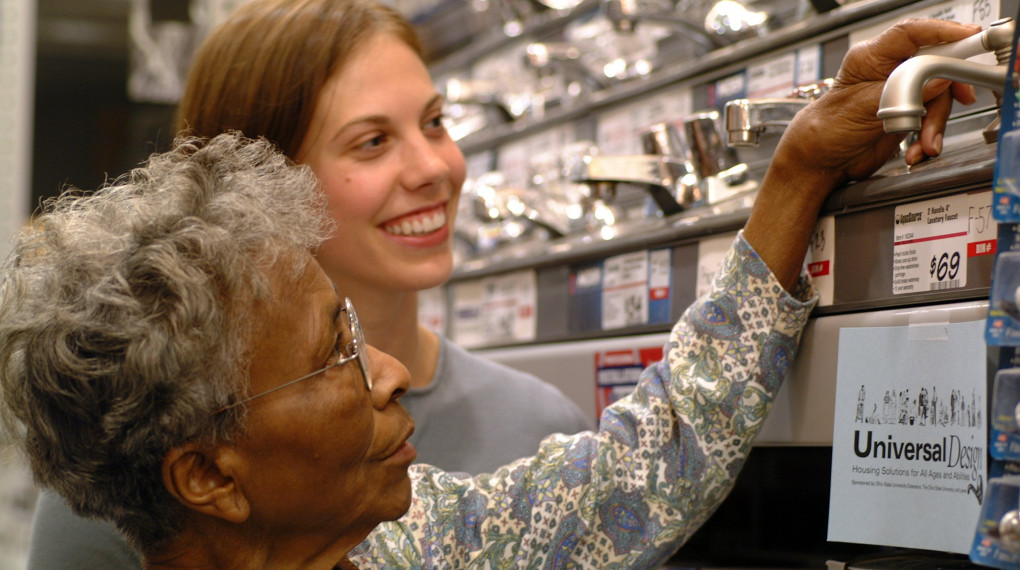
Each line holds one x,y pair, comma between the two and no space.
436,99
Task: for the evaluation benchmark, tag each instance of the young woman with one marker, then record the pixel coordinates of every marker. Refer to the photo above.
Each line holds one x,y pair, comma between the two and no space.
340,85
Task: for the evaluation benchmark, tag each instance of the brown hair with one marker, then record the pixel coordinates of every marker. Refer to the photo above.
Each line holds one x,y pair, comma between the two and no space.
261,71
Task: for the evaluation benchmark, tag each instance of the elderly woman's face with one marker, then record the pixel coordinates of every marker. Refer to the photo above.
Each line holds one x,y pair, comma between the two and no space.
325,454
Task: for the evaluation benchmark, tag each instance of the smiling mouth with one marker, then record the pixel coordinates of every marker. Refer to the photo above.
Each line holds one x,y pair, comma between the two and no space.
418,224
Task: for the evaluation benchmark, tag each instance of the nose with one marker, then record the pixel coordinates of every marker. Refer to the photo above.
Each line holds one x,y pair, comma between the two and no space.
425,164
390,378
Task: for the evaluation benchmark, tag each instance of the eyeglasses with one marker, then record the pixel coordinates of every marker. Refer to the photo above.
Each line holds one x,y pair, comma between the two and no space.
356,350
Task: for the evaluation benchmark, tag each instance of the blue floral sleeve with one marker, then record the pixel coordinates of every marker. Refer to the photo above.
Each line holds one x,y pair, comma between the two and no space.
663,459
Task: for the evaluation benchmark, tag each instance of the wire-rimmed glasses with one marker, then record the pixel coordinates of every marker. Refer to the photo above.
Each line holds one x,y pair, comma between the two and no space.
356,350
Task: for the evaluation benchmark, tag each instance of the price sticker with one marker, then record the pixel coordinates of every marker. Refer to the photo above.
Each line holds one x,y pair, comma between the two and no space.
930,245
625,291
711,252
773,78
509,304
821,259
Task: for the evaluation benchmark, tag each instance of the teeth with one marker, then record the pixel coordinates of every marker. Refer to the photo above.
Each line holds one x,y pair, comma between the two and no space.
419,226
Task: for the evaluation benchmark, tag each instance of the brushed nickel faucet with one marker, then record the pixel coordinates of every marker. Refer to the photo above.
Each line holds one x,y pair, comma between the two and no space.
901,107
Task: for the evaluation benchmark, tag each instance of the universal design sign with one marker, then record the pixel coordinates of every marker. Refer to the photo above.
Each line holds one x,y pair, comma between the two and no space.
909,436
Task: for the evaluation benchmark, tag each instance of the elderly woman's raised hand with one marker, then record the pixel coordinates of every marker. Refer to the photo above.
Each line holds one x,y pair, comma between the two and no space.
838,138
840,133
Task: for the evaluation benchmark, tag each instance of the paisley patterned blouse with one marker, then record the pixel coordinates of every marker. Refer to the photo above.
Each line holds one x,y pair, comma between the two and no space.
663,459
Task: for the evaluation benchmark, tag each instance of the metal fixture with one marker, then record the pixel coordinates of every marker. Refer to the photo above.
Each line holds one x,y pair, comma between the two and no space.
747,119
901,107
720,174
485,93
666,179
567,58
727,22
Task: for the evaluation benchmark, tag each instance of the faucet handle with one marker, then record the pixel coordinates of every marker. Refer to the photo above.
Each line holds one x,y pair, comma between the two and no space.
996,37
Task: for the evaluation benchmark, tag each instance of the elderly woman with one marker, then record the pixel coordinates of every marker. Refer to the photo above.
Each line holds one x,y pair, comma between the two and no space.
173,359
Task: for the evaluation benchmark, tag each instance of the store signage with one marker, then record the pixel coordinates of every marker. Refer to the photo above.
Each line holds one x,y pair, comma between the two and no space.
933,239
909,437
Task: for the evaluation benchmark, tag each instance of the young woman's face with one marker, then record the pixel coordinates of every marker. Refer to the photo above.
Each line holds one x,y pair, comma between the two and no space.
390,170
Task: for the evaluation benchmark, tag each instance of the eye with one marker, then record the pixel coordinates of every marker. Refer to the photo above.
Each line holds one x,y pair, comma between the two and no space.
373,143
436,123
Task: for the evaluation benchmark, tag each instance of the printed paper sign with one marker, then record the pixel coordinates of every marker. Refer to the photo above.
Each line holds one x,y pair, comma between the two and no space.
625,291
509,309
930,245
710,254
618,371
909,436
821,259
933,239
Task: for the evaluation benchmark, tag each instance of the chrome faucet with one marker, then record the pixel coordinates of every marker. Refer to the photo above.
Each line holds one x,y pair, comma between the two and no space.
901,107
567,57
625,15
485,93
666,179
719,173
747,119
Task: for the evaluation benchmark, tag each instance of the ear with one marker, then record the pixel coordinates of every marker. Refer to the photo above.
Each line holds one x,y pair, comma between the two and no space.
202,480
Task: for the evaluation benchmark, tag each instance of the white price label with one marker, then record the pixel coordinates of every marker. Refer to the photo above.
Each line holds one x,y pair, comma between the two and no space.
930,245
625,291
809,65
730,87
710,254
773,78
509,309
660,273
821,259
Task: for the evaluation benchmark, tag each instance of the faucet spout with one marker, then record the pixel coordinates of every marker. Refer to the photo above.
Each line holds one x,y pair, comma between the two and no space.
625,15
747,119
660,176
901,107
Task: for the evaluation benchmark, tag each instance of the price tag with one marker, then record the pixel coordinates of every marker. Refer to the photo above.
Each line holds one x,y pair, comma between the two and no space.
982,230
729,88
821,259
466,327
809,65
625,291
509,309
710,254
930,245
774,78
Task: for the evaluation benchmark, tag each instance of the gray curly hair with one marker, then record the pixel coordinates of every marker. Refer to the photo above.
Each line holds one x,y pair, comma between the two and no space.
126,319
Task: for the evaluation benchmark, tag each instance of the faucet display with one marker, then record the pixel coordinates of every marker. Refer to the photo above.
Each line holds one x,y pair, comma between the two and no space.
625,15
901,107
747,119
567,58
486,94
667,179
720,174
